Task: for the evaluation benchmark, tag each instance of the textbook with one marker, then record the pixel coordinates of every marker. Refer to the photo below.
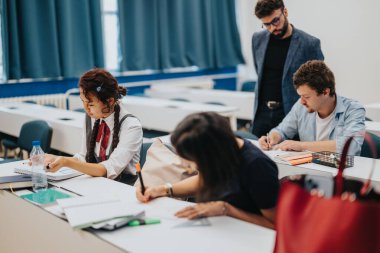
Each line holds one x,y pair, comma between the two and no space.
86,211
62,174
16,181
294,158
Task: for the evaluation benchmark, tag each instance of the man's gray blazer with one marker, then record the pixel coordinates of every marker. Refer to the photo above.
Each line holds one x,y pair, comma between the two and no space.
303,47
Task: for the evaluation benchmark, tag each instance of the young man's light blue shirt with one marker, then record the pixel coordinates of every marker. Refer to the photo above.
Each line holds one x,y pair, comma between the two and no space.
349,121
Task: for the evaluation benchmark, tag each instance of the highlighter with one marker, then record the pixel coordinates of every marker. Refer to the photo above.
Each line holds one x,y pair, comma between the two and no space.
139,222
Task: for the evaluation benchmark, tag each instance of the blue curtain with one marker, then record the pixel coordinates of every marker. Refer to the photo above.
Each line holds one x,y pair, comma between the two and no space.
51,38
162,34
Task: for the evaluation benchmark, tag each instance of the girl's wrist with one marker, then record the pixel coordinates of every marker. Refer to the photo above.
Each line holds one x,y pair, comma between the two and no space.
224,208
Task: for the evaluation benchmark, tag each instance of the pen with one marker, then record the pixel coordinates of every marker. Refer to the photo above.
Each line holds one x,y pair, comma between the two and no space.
268,141
138,171
139,222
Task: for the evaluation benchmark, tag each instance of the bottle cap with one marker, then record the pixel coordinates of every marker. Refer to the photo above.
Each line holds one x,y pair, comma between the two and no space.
36,143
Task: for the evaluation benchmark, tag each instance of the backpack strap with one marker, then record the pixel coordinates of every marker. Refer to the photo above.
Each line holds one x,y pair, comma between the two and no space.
89,128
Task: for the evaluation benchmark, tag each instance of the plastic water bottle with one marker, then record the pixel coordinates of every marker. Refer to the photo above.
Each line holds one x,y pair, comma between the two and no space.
39,178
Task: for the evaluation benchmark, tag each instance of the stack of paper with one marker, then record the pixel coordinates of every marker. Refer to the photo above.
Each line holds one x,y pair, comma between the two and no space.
293,158
82,212
16,181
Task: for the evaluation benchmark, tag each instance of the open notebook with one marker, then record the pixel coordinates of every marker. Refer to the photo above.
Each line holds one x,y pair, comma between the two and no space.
62,174
98,211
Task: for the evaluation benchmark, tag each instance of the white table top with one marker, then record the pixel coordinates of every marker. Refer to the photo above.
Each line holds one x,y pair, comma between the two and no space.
164,115
225,234
67,125
241,100
373,127
373,111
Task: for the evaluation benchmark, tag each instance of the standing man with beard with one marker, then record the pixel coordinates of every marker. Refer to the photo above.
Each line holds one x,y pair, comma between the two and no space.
278,52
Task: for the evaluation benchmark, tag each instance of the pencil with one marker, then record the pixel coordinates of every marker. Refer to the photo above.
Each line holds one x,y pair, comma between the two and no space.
268,141
138,171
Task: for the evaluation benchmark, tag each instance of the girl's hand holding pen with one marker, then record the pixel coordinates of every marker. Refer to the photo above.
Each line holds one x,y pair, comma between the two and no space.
150,193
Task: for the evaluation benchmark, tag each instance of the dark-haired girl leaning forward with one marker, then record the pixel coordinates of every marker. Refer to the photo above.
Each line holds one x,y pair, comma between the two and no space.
112,137
235,178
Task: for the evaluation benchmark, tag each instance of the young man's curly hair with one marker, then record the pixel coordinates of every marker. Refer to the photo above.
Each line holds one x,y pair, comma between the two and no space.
316,75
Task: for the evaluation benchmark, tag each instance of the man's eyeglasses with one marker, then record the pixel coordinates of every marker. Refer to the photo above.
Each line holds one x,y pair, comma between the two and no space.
274,22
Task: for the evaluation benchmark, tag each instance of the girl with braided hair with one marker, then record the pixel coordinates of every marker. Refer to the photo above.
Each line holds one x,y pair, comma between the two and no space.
112,137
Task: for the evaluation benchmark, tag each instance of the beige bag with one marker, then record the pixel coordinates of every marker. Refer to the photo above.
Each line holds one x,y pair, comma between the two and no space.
163,166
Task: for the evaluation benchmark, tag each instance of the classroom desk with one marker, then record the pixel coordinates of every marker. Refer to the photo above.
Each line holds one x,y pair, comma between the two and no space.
241,100
67,125
359,171
33,226
373,111
373,127
164,115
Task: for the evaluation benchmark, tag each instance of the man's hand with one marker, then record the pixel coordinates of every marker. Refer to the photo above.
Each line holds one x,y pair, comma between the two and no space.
289,145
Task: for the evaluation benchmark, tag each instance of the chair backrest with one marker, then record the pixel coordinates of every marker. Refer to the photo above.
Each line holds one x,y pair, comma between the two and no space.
143,151
248,86
35,130
246,135
366,150
79,110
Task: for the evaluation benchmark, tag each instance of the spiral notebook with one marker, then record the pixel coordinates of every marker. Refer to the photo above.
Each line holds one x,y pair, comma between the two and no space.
62,174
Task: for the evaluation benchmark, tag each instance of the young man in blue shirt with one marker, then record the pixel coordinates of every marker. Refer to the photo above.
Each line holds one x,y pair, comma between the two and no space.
322,119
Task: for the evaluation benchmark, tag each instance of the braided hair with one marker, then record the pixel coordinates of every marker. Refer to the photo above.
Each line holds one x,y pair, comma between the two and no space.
101,84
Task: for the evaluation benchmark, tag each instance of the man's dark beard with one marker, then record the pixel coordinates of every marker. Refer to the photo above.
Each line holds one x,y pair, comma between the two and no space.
282,31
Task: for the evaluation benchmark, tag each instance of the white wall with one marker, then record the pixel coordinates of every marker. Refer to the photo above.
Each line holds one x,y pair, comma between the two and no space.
349,31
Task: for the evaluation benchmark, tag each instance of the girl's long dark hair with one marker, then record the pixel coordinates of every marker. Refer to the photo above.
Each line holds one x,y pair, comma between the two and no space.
207,139
103,85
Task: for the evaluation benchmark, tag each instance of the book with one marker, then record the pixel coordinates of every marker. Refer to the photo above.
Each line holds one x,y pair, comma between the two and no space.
47,196
16,181
62,174
86,211
294,158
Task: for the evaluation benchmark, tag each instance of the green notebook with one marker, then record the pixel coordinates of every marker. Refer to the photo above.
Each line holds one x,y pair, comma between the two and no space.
45,197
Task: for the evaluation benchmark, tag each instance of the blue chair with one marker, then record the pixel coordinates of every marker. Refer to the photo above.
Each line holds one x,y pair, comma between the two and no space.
366,149
30,131
245,135
248,86
143,152
79,110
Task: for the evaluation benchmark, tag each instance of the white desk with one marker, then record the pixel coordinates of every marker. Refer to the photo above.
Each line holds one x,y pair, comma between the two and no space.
373,127
373,111
67,125
162,114
22,223
359,171
241,100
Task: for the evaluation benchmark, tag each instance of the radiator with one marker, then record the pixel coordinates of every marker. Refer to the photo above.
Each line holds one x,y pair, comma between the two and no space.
57,100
